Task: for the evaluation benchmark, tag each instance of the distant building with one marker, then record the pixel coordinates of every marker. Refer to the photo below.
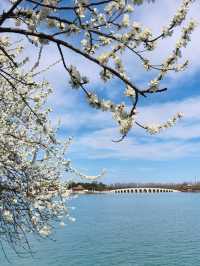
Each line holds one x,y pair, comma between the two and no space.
78,189
189,187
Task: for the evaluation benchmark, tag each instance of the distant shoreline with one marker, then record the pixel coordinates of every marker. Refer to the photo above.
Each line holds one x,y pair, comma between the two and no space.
101,188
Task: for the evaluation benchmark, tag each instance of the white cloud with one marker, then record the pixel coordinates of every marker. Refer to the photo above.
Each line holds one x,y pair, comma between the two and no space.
99,145
178,142
73,120
158,112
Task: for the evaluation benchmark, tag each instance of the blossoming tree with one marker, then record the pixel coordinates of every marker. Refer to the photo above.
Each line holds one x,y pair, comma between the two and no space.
104,31
31,157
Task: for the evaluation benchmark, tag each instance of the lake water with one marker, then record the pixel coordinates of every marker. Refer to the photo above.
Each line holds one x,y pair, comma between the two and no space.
122,230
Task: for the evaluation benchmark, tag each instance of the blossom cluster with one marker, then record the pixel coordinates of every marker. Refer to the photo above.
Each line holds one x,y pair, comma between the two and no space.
155,129
171,61
32,159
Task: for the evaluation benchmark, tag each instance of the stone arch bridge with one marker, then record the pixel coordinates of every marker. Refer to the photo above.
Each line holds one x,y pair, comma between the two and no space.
143,190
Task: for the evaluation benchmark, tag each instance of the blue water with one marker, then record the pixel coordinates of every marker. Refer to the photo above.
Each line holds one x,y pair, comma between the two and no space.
122,230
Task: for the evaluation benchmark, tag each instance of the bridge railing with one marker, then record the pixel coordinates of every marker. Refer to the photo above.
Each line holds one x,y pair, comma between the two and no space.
144,190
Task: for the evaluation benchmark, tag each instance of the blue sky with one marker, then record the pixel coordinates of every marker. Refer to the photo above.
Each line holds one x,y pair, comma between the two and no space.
173,155
170,156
